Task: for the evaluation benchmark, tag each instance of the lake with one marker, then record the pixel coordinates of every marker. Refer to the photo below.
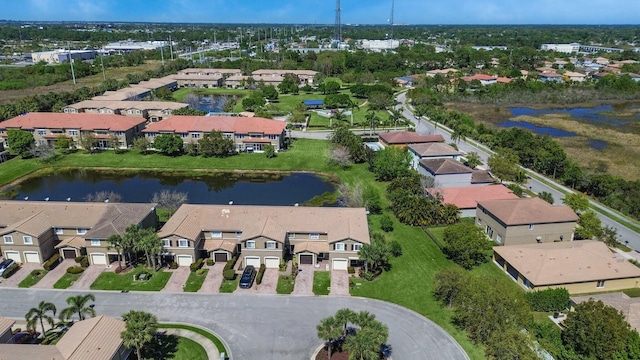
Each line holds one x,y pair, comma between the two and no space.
242,189
537,129
213,103
622,116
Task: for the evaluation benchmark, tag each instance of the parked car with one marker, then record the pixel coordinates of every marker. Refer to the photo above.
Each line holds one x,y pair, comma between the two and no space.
248,275
5,264
25,337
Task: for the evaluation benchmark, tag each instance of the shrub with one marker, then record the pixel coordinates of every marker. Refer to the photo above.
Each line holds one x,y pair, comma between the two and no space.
173,265
395,248
10,271
36,273
231,263
52,262
201,272
260,274
84,262
229,274
351,270
548,300
78,259
75,270
283,265
210,262
196,265
386,224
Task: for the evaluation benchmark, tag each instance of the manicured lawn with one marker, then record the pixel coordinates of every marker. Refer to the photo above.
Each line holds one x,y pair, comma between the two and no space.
124,281
31,280
189,350
321,282
180,94
194,282
285,284
66,280
635,292
200,331
229,286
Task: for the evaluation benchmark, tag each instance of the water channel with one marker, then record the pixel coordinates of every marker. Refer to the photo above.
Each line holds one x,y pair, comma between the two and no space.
221,188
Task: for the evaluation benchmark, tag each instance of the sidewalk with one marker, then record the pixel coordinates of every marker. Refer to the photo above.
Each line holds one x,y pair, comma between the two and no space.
208,345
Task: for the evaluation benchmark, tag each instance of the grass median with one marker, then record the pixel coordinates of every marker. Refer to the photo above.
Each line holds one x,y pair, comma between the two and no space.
207,334
128,280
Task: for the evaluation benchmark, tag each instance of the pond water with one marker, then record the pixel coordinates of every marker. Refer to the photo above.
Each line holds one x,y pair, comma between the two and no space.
622,116
211,103
598,144
537,129
251,189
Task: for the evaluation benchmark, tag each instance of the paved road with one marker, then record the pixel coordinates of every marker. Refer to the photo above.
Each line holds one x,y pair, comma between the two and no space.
260,327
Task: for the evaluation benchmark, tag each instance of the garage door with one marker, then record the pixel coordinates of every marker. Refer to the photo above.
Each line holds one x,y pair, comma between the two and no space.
220,257
184,260
272,262
32,257
13,255
99,259
306,259
69,253
339,264
252,260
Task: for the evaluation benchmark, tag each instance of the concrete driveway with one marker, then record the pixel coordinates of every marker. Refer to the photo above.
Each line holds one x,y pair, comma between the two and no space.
19,275
339,283
89,275
213,280
177,280
304,280
286,324
269,282
54,275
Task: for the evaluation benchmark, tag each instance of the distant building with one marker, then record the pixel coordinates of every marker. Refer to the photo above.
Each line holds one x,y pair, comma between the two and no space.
578,48
61,56
489,47
379,45
130,46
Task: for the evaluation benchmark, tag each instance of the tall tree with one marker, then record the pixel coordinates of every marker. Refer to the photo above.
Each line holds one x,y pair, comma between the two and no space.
20,142
88,142
361,347
466,245
116,242
41,314
329,330
214,144
78,305
578,202
546,196
168,144
140,329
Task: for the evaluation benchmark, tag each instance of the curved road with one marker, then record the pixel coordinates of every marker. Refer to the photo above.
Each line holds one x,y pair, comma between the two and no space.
260,327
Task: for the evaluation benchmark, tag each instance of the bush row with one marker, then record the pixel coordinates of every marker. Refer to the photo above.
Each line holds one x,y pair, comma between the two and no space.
229,274
548,300
260,274
83,260
196,265
231,263
52,262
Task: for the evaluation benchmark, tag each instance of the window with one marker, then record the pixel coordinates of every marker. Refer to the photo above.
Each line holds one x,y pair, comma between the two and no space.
227,136
73,132
195,136
166,243
600,284
42,132
101,111
273,137
8,240
95,242
110,111
138,112
119,133
81,231
166,112
499,238
216,234
184,135
58,231
151,134
271,245
238,234
129,112
314,236
183,243
530,226
239,136
28,240
251,245
357,247
292,235
489,231
479,221
66,110
339,246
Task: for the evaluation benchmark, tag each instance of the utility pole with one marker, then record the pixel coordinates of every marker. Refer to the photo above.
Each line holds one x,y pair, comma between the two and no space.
162,54
73,74
104,77
171,47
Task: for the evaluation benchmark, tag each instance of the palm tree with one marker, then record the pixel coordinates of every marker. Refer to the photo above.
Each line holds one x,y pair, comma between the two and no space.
150,244
395,116
329,330
373,119
364,319
40,314
116,242
361,347
78,305
345,316
139,330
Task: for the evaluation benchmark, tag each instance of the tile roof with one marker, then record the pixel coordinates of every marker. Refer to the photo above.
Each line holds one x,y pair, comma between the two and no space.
528,211
6,324
211,244
444,166
315,247
434,149
282,72
237,124
273,222
480,77
408,137
97,338
467,197
208,71
76,242
81,121
630,307
124,105
567,262
481,177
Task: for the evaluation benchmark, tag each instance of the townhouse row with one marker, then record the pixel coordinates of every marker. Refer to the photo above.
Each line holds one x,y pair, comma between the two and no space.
233,78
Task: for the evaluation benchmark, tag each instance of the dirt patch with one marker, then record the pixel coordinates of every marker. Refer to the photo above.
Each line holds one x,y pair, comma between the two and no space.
323,355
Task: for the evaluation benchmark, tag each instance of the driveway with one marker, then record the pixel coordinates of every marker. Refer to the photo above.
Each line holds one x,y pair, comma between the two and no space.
304,280
54,275
286,324
339,283
214,279
20,275
89,275
269,282
177,280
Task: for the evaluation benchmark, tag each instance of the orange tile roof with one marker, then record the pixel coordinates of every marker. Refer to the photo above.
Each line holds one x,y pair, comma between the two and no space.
81,121
467,197
237,124
528,211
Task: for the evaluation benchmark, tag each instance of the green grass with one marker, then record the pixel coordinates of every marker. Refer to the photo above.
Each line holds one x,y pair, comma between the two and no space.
635,292
180,94
31,280
66,280
194,282
285,284
200,331
189,350
229,286
124,281
321,282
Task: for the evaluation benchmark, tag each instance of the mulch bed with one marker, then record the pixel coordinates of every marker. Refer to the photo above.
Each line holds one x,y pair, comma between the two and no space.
322,355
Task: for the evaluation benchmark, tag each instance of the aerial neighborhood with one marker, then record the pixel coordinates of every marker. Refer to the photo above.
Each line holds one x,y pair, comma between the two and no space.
476,185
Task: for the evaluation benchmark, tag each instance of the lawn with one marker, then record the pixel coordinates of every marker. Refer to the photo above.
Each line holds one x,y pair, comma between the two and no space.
229,286
124,281
285,284
200,331
194,282
180,94
189,350
66,280
31,280
321,282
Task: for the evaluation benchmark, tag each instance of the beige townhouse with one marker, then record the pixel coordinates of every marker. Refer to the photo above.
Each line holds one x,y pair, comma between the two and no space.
150,110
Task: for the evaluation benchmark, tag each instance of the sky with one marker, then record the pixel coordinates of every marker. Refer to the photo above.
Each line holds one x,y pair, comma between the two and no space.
323,11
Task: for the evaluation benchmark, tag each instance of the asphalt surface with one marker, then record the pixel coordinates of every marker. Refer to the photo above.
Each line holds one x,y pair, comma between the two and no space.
260,327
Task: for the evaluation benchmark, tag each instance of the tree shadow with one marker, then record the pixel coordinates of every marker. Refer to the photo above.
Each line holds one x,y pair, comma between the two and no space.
162,347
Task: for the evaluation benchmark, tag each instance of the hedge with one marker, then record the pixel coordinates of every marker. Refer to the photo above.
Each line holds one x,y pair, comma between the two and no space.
52,262
10,270
210,262
231,263
84,262
75,270
548,300
260,274
196,265
229,274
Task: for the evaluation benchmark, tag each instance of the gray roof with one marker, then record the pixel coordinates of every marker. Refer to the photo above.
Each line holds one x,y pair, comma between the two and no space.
445,166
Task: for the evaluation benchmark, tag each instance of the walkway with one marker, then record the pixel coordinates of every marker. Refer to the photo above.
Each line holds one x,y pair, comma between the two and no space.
208,345
24,271
304,280
89,275
178,279
54,275
214,279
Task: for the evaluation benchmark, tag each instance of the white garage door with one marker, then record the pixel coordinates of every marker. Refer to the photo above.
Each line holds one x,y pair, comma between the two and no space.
32,257
252,260
184,260
272,262
13,255
340,264
99,259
